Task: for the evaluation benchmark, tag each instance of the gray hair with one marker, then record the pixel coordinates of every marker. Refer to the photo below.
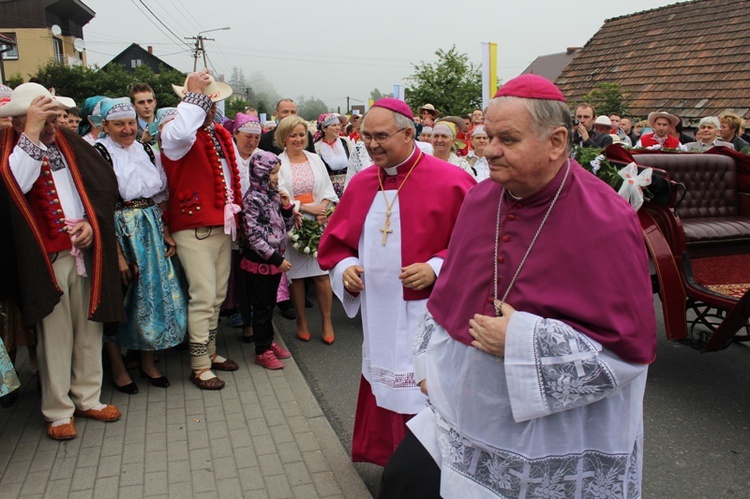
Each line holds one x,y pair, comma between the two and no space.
546,115
710,120
400,120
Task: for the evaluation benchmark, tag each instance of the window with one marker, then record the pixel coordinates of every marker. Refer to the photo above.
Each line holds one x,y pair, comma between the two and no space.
13,52
58,44
134,63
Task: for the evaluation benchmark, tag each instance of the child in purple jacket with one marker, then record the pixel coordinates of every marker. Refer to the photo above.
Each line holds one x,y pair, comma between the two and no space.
268,215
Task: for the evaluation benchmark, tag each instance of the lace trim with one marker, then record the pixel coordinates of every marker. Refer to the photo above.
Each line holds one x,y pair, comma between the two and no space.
389,378
217,145
422,335
200,100
33,150
55,158
590,474
568,369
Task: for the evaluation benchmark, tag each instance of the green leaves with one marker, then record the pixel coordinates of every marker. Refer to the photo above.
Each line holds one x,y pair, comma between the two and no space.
607,98
80,82
453,84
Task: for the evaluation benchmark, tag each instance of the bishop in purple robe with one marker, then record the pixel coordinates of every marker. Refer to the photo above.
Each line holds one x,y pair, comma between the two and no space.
535,346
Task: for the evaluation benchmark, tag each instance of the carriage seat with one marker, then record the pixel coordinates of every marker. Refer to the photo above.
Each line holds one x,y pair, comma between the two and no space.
710,211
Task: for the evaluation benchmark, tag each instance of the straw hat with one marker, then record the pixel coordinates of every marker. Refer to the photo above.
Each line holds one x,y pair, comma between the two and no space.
652,117
24,94
430,109
217,90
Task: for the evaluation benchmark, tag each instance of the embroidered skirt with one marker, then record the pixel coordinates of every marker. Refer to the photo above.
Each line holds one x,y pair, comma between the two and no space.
8,377
154,303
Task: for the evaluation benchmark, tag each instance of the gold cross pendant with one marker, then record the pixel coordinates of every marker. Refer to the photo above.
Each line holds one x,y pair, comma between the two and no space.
387,229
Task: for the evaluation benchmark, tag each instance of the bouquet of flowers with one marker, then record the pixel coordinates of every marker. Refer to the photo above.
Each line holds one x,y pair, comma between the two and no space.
593,160
306,238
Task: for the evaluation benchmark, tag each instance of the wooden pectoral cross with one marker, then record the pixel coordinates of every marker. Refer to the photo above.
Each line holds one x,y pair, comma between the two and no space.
387,229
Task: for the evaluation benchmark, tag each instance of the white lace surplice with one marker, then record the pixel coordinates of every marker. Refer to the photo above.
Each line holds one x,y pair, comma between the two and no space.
559,417
388,321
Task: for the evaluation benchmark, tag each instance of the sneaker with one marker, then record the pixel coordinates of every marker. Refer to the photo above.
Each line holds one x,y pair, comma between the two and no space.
235,320
279,351
269,361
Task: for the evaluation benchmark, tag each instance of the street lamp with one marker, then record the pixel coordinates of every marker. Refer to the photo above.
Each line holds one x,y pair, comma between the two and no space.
199,48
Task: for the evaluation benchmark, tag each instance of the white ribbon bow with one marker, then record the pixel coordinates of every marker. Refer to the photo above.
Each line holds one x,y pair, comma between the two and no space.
633,183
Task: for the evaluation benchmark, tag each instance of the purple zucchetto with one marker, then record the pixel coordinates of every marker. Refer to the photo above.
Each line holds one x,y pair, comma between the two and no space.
531,86
395,105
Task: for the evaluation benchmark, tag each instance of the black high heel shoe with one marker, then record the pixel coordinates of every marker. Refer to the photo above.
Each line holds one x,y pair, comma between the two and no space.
161,381
131,388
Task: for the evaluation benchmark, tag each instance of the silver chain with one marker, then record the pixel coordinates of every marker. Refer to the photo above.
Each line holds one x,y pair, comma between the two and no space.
533,241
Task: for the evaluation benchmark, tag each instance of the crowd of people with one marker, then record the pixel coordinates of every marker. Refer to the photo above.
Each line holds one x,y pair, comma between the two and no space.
495,277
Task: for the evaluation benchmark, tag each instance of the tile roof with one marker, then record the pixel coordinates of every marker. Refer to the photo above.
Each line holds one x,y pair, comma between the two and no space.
690,58
551,65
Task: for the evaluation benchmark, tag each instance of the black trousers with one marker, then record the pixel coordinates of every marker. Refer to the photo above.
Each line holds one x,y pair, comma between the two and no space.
259,292
411,473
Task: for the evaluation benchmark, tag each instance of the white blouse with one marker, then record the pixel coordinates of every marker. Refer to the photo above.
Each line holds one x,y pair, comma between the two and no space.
137,177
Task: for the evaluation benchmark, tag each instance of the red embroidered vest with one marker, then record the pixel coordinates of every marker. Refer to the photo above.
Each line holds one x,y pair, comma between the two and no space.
197,192
47,211
648,140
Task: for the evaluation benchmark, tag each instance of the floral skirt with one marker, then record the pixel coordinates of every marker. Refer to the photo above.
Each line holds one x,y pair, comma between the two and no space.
154,303
8,377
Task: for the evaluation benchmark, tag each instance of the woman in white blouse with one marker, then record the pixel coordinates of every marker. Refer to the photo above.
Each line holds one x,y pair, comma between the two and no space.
305,178
154,302
334,150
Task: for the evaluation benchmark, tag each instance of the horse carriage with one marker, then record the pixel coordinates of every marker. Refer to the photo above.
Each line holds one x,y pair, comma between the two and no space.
696,224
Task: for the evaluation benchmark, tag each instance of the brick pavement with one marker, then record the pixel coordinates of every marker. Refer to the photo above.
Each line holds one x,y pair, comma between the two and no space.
262,436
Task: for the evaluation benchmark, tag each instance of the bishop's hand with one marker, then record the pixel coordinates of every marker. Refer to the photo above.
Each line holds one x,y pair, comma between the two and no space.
417,276
489,332
352,280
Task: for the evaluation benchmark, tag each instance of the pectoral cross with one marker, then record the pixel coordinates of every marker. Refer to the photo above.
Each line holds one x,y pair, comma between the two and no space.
387,229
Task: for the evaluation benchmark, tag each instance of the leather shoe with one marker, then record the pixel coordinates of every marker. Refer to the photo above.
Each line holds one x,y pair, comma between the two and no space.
227,365
161,381
107,414
62,432
8,400
328,340
206,384
131,388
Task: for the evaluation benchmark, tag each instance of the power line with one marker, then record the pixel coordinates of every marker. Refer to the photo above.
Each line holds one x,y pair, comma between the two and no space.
160,21
182,10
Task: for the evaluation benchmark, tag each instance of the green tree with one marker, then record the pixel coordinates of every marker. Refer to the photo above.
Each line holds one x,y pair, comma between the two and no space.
79,83
310,109
15,80
238,81
235,105
376,95
453,84
608,98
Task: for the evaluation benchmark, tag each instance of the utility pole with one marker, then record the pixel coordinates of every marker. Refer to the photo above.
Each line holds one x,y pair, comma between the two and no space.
200,48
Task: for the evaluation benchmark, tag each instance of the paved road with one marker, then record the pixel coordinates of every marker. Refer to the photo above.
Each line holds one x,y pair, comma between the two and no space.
697,411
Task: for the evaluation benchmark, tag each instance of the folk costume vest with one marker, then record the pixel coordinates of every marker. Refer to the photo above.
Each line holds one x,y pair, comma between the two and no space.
197,186
648,140
35,222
